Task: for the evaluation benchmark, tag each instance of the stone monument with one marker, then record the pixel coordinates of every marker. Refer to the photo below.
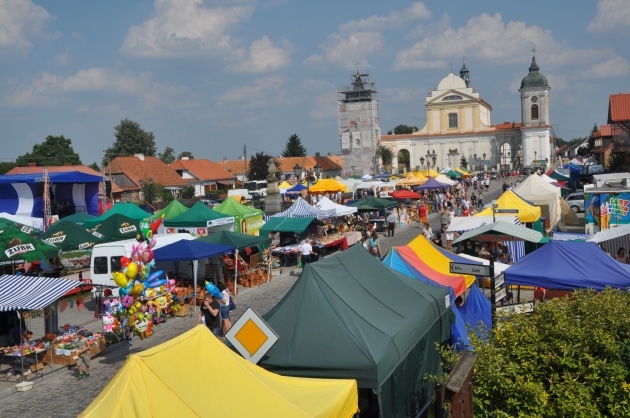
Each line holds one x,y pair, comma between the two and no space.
273,200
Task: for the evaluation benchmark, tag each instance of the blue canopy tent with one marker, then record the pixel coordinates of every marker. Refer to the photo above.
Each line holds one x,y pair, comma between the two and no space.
477,310
297,189
186,250
566,265
430,184
23,193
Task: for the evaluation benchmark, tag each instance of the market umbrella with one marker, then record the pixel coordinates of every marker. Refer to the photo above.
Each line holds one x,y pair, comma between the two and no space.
404,194
6,223
79,218
454,174
69,236
297,188
117,227
18,247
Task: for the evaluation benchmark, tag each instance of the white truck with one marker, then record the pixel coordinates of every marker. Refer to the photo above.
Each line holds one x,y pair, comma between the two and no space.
106,259
242,193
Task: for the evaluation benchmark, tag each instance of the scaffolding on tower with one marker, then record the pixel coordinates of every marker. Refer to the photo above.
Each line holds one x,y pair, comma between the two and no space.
46,199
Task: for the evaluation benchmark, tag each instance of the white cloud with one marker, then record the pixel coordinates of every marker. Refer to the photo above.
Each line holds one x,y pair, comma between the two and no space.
347,49
417,11
263,56
424,30
260,94
612,16
614,67
186,28
20,22
400,95
63,59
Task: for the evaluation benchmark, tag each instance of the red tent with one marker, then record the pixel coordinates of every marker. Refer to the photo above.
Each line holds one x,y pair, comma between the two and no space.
404,194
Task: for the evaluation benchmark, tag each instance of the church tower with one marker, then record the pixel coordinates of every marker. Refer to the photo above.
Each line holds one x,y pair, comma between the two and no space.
465,74
536,127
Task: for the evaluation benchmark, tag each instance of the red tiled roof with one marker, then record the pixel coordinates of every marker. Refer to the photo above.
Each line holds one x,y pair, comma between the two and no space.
234,166
619,108
603,131
203,169
562,149
54,169
151,168
509,125
326,162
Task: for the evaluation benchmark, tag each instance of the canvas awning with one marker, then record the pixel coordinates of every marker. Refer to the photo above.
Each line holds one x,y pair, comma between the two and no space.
340,210
128,209
328,185
19,247
240,241
30,292
467,223
296,225
146,386
67,235
510,200
199,216
186,250
172,210
501,231
301,209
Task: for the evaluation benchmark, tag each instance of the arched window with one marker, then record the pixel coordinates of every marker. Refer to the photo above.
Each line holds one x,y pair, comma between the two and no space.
452,120
453,97
534,111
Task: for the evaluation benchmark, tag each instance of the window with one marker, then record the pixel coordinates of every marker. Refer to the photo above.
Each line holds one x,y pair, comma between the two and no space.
535,111
100,265
452,120
453,97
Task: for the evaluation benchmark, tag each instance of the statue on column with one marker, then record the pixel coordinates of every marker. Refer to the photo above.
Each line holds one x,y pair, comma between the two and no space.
273,200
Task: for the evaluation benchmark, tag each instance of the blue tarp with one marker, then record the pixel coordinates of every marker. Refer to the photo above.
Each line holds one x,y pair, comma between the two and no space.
477,309
185,250
568,265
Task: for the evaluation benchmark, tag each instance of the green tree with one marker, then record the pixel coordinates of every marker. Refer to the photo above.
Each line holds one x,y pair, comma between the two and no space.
463,162
614,162
95,166
403,130
168,156
130,139
258,166
6,167
152,192
591,137
185,154
294,147
570,357
188,192
385,154
55,150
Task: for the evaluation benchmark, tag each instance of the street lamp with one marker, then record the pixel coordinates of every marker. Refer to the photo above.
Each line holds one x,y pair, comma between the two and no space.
476,158
311,176
432,156
535,158
422,162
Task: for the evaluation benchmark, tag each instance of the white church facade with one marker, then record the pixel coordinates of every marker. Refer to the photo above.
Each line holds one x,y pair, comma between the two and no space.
458,124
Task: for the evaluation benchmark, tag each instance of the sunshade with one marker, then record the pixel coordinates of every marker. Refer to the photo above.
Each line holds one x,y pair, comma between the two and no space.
19,247
248,220
428,172
558,176
445,180
174,209
190,250
301,209
404,194
6,222
463,170
544,195
67,235
374,202
340,210
284,186
412,180
79,218
569,265
117,227
198,216
328,185
128,209
454,174
467,223
36,223
297,188
145,386
32,292
296,225
503,229
510,200
237,240
431,184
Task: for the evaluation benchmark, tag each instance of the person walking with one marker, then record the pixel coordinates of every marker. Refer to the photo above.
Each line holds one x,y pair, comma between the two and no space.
210,310
375,248
306,249
83,356
391,223
480,200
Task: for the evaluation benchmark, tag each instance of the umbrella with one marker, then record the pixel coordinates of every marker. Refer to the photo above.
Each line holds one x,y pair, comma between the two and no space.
6,223
69,236
117,227
18,247
297,188
404,194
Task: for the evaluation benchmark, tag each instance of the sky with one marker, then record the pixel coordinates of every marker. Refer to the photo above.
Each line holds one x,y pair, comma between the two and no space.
211,77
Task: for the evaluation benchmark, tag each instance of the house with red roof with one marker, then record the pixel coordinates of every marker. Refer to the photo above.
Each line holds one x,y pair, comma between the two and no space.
602,145
204,175
619,119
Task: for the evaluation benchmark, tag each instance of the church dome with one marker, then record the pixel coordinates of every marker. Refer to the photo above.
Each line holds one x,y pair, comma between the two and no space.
534,78
451,81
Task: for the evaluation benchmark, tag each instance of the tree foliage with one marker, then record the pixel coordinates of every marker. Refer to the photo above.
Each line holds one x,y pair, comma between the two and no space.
591,137
463,162
95,166
152,192
55,150
6,167
385,154
294,147
258,166
403,130
168,156
570,357
184,154
615,161
188,192
130,139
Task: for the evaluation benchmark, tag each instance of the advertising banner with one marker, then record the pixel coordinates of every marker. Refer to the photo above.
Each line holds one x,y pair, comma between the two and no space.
345,140
606,210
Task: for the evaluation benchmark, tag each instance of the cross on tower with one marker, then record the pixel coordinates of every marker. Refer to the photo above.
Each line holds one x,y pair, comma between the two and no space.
451,64
534,51
464,59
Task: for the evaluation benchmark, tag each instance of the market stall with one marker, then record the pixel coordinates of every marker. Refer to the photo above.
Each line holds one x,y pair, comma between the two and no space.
147,386
328,185
527,211
116,227
247,220
20,247
19,222
301,209
78,218
67,235
198,221
127,209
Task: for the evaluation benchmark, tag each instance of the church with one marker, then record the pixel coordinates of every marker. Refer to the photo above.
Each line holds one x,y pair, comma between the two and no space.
459,124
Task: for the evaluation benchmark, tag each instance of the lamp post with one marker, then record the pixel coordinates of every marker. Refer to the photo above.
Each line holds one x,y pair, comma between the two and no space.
476,157
484,161
311,176
535,159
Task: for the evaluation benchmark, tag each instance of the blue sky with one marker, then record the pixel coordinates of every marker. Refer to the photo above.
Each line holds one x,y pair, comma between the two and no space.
210,76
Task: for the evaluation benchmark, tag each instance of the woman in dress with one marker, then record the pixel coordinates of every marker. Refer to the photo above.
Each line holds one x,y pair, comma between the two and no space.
375,248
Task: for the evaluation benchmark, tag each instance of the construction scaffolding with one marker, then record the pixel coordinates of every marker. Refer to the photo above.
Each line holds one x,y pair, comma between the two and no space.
359,133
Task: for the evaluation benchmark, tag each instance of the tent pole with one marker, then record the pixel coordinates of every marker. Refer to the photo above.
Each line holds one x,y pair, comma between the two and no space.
195,265
21,345
235,267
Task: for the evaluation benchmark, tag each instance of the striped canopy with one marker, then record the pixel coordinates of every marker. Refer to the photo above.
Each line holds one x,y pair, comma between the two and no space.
301,209
29,292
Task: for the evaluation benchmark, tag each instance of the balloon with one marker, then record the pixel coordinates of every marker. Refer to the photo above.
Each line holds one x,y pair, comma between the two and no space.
155,275
120,279
137,289
124,261
147,255
155,225
132,270
155,283
143,272
213,290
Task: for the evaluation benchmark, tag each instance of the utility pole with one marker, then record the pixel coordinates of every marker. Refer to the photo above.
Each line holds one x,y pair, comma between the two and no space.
244,162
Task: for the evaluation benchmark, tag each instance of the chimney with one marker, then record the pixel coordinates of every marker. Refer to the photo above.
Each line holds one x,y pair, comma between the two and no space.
330,154
139,156
185,158
224,158
317,155
32,164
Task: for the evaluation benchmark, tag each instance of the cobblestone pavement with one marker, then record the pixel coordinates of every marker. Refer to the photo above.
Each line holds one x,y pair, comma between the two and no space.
59,394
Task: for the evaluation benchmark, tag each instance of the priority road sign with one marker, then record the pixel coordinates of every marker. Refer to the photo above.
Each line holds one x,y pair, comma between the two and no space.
251,336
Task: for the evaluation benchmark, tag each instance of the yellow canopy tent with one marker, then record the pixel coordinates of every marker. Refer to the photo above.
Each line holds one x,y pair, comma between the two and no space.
412,180
461,170
430,255
328,185
427,173
174,379
510,200
284,185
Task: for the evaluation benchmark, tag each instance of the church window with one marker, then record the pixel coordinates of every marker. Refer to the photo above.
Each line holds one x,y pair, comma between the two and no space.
535,111
453,97
452,120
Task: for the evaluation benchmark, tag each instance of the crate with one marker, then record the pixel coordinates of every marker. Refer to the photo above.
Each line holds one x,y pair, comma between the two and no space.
36,367
275,272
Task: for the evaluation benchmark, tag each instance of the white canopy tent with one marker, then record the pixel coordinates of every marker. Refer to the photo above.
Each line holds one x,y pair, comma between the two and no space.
340,210
468,223
612,239
445,180
36,223
544,195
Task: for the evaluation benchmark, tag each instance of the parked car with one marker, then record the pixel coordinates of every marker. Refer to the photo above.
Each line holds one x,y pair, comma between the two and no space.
575,201
147,208
494,175
210,203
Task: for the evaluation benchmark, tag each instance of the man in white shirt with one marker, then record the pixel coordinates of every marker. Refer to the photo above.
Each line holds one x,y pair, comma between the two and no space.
306,249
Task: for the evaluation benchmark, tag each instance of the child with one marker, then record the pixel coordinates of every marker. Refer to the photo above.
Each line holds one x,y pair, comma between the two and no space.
83,356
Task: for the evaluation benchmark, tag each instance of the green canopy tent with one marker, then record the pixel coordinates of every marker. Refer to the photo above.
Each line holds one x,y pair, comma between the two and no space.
350,316
7,223
454,174
248,220
295,225
374,202
18,247
67,235
128,209
174,209
117,227
79,218
198,220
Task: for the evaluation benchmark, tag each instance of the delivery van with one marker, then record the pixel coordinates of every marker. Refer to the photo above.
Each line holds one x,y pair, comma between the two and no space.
106,259
244,194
